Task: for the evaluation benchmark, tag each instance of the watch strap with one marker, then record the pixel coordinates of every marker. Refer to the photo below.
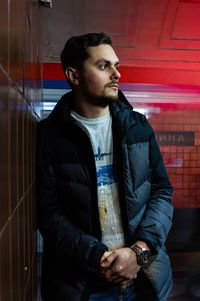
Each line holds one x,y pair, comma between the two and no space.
143,255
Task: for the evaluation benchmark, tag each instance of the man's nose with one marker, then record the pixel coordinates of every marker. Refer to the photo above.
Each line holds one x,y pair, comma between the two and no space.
115,74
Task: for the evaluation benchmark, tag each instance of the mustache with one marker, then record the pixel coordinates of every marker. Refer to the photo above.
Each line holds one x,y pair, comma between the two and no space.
115,82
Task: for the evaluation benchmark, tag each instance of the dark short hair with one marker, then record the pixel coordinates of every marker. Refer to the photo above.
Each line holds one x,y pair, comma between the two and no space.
75,51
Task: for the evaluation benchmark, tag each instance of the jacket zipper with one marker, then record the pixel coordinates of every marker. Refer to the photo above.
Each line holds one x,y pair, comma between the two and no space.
123,194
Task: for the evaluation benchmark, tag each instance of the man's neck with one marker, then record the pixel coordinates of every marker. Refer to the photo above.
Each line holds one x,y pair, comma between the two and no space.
88,110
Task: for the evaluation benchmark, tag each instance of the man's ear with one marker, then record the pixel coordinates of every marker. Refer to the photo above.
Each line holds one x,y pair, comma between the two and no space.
72,75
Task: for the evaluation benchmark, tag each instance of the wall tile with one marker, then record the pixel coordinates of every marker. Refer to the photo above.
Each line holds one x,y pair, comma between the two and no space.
25,150
22,270
15,256
4,29
20,144
5,272
13,147
4,143
27,251
187,171
19,33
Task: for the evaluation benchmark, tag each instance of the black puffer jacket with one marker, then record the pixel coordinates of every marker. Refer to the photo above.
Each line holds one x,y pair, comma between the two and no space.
67,199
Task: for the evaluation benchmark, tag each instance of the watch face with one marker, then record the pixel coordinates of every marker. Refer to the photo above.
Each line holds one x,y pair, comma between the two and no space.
144,257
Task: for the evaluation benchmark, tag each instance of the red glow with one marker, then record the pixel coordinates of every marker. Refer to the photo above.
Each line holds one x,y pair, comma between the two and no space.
135,74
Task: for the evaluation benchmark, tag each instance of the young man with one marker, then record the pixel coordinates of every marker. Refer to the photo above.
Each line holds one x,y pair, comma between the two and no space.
104,198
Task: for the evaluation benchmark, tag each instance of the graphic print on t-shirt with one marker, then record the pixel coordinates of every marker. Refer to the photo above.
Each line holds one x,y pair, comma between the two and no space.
108,199
105,175
100,133
100,155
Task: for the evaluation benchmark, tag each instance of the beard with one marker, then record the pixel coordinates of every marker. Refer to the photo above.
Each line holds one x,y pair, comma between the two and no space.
103,100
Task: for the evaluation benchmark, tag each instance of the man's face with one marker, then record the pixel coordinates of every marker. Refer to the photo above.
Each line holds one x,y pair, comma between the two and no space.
99,76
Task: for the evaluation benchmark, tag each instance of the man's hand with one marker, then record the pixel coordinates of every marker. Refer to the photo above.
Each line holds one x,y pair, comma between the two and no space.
119,266
106,254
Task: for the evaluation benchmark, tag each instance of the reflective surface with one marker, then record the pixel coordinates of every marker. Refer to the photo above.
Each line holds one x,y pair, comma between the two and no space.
20,94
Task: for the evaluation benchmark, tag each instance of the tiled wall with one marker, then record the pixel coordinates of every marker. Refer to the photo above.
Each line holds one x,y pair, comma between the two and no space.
178,127
20,95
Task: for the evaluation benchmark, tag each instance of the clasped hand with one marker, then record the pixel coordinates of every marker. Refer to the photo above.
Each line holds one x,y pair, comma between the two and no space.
119,266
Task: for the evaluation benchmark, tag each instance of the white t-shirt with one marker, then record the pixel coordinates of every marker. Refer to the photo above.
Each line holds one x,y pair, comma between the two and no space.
100,133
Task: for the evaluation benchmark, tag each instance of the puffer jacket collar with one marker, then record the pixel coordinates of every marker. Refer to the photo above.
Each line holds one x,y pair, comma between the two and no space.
63,108
118,109
122,112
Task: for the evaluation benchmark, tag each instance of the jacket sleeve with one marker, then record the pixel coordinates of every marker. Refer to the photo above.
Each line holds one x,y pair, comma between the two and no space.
157,218
62,237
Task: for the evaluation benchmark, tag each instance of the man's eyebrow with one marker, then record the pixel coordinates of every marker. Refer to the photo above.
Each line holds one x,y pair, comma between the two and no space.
106,61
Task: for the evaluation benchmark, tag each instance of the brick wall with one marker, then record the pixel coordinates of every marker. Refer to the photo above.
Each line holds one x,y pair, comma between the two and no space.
182,161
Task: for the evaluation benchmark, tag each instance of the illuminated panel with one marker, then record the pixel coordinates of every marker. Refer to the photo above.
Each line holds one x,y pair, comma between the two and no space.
181,27
187,21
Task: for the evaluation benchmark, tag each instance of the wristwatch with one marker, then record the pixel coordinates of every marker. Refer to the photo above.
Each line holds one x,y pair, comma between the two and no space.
143,255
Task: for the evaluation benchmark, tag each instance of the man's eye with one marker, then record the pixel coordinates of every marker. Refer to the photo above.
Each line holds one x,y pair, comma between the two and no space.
103,67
